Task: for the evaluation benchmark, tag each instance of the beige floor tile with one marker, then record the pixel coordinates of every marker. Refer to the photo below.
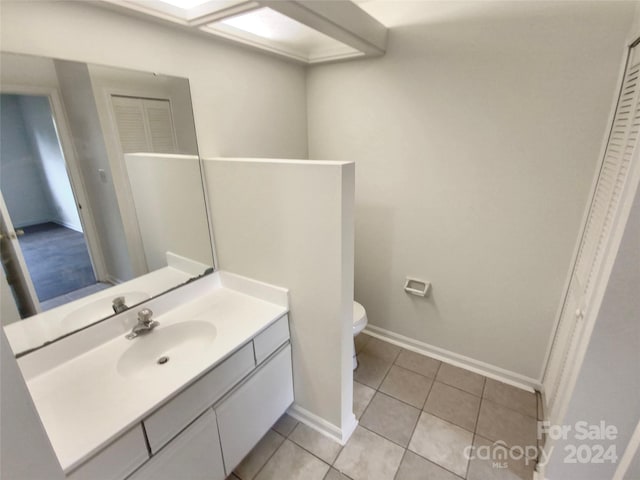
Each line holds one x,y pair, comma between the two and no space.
442,443
501,423
405,385
489,463
362,395
414,467
334,474
254,461
361,341
371,369
285,425
390,418
321,446
368,456
418,363
291,462
511,397
460,378
453,405
381,349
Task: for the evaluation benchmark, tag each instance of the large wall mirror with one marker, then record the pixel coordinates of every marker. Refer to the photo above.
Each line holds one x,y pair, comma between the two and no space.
102,204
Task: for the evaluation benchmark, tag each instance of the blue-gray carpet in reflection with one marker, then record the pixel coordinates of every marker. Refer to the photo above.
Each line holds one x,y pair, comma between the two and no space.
57,258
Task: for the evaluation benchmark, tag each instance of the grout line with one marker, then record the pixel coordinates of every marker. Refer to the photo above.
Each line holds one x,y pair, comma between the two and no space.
385,438
314,455
436,464
509,408
475,427
419,410
404,454
266,461
460,389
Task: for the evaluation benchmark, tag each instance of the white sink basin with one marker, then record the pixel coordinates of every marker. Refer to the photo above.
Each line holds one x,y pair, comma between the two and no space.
100,308
165,346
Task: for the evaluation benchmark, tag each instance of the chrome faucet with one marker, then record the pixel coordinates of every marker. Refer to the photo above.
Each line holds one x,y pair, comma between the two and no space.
119,305
144,325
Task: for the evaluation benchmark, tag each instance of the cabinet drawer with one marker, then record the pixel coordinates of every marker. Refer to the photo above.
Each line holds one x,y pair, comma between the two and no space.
194,454
268,341
173,416
250,410
117,460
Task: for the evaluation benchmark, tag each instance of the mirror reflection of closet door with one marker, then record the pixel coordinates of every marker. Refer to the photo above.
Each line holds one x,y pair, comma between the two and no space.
15,267
143,125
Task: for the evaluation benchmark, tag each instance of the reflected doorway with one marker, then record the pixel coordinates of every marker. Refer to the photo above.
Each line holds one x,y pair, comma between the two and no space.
43,246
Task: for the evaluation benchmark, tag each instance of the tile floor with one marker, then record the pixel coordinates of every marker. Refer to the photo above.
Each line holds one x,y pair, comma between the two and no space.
416,418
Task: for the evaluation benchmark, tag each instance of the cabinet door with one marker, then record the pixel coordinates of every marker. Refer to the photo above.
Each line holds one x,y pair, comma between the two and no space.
194,455
250,411
117,460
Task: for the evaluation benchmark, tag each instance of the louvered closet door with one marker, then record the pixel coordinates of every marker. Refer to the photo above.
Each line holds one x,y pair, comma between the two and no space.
129,116
144,125
605,203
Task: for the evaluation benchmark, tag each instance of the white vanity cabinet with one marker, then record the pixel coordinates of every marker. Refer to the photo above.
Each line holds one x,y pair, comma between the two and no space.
209,427
117,460
194,454
252,408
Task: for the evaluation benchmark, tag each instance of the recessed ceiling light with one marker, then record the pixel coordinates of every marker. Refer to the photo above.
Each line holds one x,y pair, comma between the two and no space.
271,30
263,22
305,31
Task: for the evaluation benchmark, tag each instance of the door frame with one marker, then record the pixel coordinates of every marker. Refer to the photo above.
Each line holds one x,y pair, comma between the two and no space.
593,304
624,60
76,179
25,277
592,308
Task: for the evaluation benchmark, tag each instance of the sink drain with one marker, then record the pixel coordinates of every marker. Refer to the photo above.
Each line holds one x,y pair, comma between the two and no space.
163,360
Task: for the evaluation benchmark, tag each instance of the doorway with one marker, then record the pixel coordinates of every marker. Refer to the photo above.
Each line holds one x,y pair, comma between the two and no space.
43,221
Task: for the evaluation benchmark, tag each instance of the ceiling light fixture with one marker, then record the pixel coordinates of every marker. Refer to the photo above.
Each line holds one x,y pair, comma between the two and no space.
308,31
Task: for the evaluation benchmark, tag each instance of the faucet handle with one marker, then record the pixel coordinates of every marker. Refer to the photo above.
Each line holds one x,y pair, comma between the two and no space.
144,316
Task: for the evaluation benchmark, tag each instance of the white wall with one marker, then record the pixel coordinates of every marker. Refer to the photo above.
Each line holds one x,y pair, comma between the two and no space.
476,139
291,224
245,103
608,386
21,179
44,140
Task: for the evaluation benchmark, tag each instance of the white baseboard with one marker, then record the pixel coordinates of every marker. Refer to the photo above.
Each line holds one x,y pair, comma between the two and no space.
322,426
70,226
488,370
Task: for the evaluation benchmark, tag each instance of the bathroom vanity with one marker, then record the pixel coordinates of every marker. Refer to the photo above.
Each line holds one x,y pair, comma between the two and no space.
188,399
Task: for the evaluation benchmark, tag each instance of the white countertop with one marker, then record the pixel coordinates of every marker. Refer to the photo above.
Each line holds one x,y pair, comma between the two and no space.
44,327
83,401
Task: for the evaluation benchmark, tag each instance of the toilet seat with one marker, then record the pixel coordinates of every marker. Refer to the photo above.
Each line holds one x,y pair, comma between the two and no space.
359,318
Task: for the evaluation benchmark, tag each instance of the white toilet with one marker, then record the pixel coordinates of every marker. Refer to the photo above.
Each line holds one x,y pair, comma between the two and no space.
359,322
